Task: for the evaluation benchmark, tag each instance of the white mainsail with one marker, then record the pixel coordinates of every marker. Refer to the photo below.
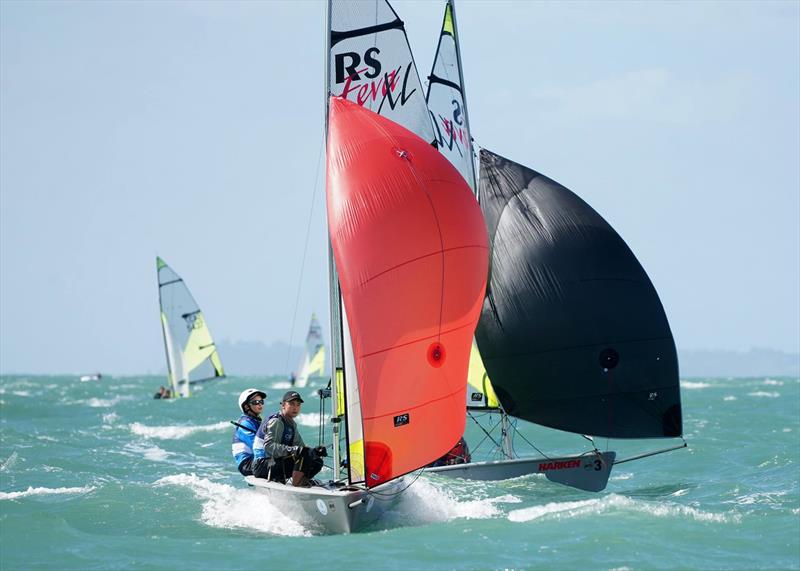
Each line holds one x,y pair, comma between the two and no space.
191,353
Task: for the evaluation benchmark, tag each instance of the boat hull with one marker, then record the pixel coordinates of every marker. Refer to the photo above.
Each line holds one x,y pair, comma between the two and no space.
588,472
330,509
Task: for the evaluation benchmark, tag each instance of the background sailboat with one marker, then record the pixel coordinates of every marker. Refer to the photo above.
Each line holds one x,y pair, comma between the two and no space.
312,363
572,333
191,354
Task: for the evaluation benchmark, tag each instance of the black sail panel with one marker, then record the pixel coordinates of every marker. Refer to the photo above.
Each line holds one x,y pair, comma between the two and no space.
572,331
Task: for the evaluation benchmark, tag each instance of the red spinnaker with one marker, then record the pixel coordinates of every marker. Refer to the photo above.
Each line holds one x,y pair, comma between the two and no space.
410,245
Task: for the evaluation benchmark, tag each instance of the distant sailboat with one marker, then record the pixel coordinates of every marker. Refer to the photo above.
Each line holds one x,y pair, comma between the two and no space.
312,363
572,333
92,377
191,354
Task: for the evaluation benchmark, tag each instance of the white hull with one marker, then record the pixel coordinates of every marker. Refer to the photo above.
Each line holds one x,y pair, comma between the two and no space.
329,509
588,472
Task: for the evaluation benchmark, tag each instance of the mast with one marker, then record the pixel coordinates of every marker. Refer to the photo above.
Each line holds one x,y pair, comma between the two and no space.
337,349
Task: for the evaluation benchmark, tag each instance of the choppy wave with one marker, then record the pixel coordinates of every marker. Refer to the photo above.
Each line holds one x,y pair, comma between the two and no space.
694,385
228,507
31,491
614,502
772,395
106,403
9,462
175,432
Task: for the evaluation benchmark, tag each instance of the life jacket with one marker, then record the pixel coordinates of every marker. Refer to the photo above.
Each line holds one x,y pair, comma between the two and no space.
287,439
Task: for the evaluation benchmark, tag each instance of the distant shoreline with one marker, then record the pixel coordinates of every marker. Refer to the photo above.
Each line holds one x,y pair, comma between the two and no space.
254,358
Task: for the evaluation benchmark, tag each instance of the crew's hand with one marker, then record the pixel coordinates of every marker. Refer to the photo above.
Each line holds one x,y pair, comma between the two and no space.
321,451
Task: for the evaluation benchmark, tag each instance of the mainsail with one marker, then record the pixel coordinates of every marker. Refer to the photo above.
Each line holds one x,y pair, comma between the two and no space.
370,63
191,354
447,102
312,363
572,331
410,248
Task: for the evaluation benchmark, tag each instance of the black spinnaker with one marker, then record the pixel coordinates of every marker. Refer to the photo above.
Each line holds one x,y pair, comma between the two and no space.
572,331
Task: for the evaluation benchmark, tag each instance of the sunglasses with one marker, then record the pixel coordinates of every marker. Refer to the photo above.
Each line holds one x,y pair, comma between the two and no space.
256,402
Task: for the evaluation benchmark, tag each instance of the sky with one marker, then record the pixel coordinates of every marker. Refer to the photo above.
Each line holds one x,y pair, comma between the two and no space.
192,131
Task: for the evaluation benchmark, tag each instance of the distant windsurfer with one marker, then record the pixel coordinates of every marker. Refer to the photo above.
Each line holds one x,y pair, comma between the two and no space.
251,403
280,453
292,379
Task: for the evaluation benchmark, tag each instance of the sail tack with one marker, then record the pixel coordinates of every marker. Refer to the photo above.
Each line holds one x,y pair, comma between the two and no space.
191,354
370,63
410,247
572,331
447,102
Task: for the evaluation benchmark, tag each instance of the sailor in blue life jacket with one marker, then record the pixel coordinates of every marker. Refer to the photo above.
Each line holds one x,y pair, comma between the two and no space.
251,402
280,452
458,454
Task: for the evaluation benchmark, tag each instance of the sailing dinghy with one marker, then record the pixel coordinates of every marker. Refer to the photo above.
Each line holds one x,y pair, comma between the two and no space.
312,364
572,332
408,269
192,357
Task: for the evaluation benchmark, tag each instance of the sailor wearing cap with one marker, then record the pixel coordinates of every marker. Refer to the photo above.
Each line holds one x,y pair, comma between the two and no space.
280,452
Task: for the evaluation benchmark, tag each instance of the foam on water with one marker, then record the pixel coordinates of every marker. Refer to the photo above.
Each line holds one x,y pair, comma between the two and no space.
175,432
614,502
772,395
281,385
9,462
31,491
223,507
426,502
106,403
694,385
153,453
730,398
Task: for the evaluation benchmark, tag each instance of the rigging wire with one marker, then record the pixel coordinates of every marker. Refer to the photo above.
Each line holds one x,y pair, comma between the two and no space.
305,252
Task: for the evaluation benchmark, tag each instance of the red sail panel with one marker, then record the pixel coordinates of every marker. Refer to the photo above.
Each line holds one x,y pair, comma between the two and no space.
410,245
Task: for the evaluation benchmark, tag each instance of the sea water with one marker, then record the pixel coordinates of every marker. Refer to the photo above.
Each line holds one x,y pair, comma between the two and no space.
99,475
